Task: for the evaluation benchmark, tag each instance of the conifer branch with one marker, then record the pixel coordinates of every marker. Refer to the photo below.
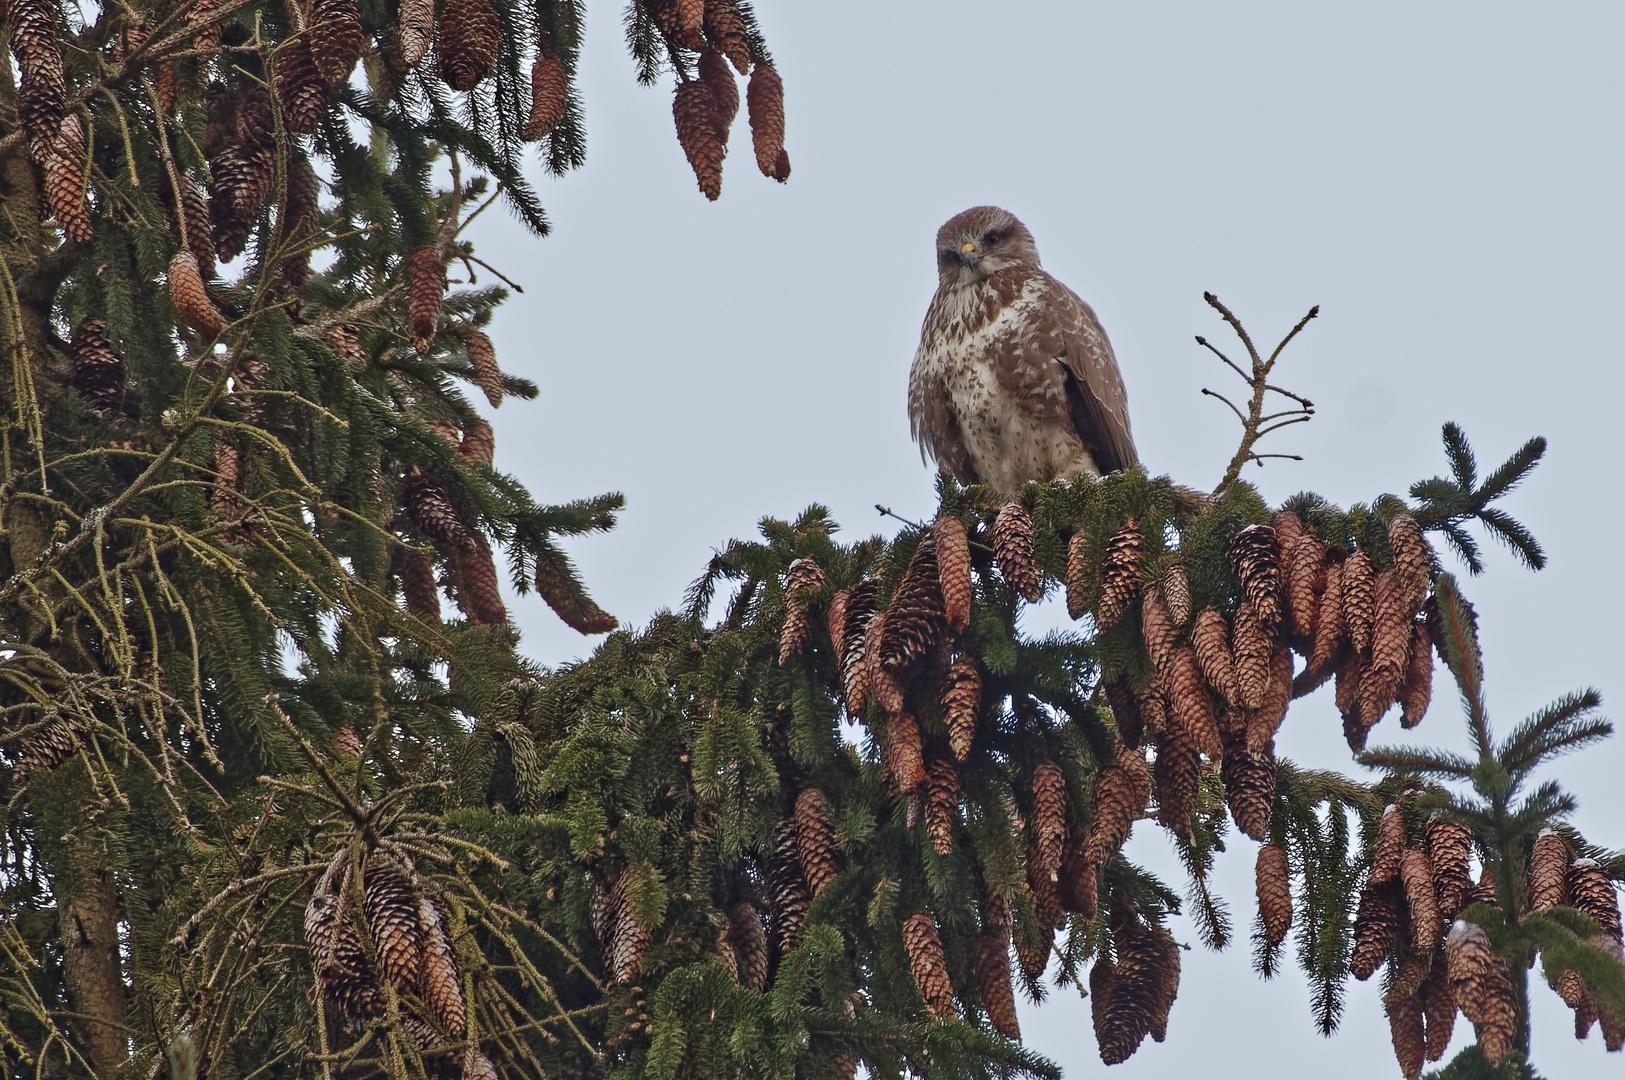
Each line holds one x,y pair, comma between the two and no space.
1255,424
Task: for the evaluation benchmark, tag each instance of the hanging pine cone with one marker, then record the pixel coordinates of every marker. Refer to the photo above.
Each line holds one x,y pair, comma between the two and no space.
440,982
815,839
804,575
431,511
549,96
478,444
1416,878
335,947
991,960
1484,892
1192,709
1273,880
1078,880
240,143
1438,1010
418,588
426,290
1265,721
764,101
1591,892
1077,575
207,39
714,73
479,591
336,39
1390,652
929,964
191,226
1482,989
1359,600
1449,847
470,35
305,95
700,134
630,939
1416,691
1049,817
62,159
46,749
223,501
1210,639
1153,706
1330,630
1389,845
1610,1016
1033,951
1013,551
1585,1015
1175,588
862,669
904,758
1136,986
835,622
482,357
42,92
1166,952
1119,575
1304,584
953,569
1413,561
392,920
1549,872
1044,888
1121,792
191,300
915,618
1255,562
941,805
1157,628
1406,1029
97,373
787,898
414,32
1288,531
855,664
961,701
1252,645
1125,705
749,943
1378,923
725,28
1249,788
1178,776
1101,978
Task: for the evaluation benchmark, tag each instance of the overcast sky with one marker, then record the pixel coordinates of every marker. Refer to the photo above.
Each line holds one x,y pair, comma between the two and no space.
1444,179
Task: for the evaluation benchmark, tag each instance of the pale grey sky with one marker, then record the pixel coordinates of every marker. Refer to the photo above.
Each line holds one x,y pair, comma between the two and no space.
1444,179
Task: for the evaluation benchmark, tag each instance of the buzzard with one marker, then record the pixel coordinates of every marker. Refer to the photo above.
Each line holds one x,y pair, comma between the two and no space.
1014,379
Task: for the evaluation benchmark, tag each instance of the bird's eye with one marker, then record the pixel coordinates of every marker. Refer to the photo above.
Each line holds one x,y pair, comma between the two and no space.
991,238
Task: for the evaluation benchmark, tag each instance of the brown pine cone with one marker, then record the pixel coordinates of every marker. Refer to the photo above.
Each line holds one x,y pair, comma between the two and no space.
1549,863
557,585
1100,994
549,96
1125,705
1359,597
929,964
749,943
1413,561
1192,709
1416,691
781,166
787,897
835,620
1049,817
240,143
631,938
1304,585
815,839
1330,631
953,566
1390,652
336,39
470,35
1153,706
725,28
1438,1009
1252,645
764,102
875,679
190,225
440,982
1263,723
1407,975
46,749
961,701
1416,876
941,805
1406,1029
98,372
431,511
991,961
62,159
482,357
392,920
1136,987
904,758
478,444
1389,844
42,91
1013,551
1158,630
1210,639
1119,575
1167,963
1044,888
191,300
1078,881
1350,669
1591,892
804,575
335,947
426,290
1033,945
1482,989
479,592
223,500
855,656
1175,587
1485,892
1570,987
1611,1017
418,588
207,39
915,617
1585,1015
1077,575
1255,561
1178,775
414,31
1249,788
700,134
1378,924
1288,531
298,219
343,340
1449,846
1274,887
1122,790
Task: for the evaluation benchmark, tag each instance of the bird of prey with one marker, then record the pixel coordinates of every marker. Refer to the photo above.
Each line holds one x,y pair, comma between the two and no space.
1014,379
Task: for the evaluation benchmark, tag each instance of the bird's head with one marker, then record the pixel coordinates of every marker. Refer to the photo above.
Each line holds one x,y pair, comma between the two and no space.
982,241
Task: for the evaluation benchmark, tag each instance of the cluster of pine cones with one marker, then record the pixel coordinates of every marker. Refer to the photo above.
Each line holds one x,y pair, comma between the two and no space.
408,942
1557,879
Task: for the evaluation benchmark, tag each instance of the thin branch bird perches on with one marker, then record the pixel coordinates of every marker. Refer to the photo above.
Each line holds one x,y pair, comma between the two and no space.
1255,422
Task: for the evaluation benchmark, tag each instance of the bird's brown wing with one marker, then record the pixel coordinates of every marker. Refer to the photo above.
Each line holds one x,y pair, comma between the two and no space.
1098,402
931,416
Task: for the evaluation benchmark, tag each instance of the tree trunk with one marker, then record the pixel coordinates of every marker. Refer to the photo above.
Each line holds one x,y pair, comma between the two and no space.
90,963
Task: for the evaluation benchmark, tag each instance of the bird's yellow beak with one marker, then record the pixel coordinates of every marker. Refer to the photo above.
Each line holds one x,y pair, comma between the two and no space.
967,246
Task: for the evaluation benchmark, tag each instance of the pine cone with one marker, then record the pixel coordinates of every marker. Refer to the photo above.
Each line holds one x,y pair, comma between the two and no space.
1438,1009
961,701
1288,531
1119,575
942,805
1482,989
1122,790
700,134
992,963
1585,1015
915,617
1078,881
62,159
1350,669
479,593
1044,888
804,575
191,301
1378,923
1125,705
1389,844
953,568
1416,877
335,948
1033,947
1249,788
1390,652
764,100
725,28
1210,639
418,588
1175,587
223,501
1253,646
1192,709
1101,978
198,234
855,657
1484,892
336,40
1449,846
1254,559
1304,585
749,943
240,142
441,982
392,920
815,839
482,357
1612,1018
557,585
1157,627
470,35
1406,1028
787,895
1077,575
1153,706
42,92
549,96
1549,863
1166,951
478,444
207,39
1330,631
300,87
1274,888
46,749
631,939
781,166
1263,723
1178,775
1136,987
1417,690
98,372
1570,987
1359,600
414,32
929,964
431,511
1413,561
1591,892
874,679
1049,817
904,758
426,289
1013,551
